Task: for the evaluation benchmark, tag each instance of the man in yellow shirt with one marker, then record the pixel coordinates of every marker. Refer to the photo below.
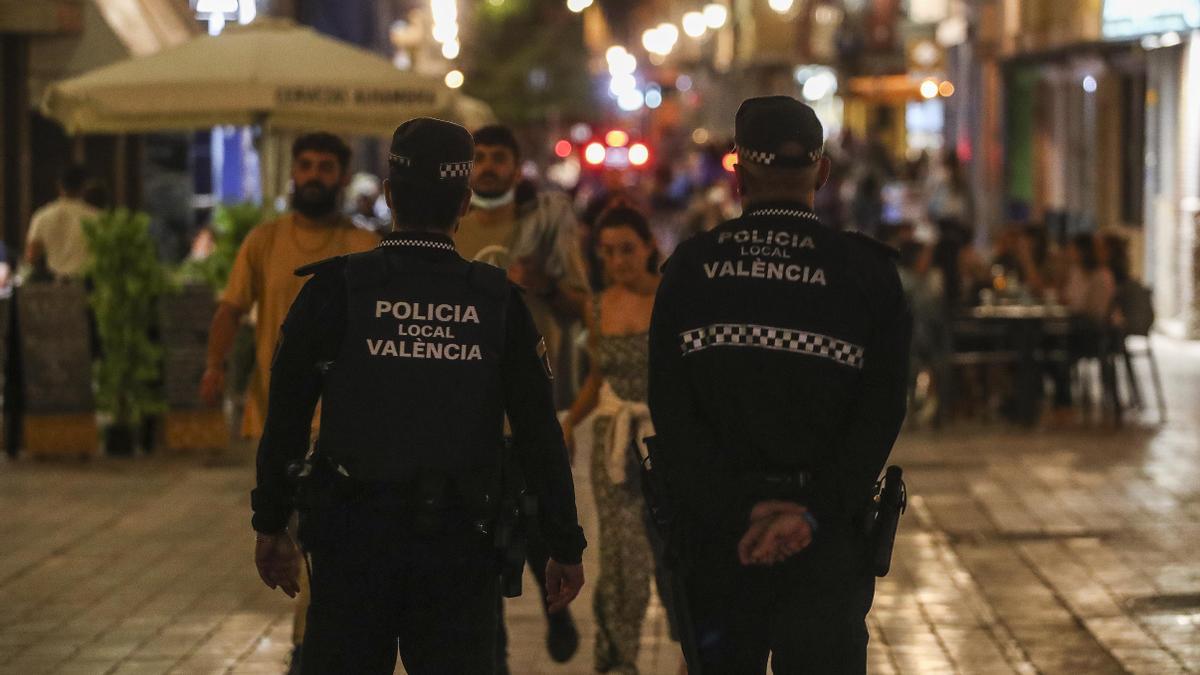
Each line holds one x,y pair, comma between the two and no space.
263,276
263,280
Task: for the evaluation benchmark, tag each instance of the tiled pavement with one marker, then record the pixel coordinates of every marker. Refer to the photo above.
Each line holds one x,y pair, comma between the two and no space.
1053,552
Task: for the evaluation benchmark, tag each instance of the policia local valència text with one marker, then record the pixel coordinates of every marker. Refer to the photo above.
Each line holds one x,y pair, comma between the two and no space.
439,321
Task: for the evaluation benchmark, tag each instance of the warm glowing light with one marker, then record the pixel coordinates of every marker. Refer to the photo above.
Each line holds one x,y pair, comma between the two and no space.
621,84
700,136
715,14
781,6
578,6
669,32
594,153
661,39
620,62
694,24
929,89
729,161
454,79
946,88
450,49
631,100
616,138
638,154
562,148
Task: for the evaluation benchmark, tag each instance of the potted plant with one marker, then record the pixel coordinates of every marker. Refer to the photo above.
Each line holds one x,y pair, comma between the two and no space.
127,281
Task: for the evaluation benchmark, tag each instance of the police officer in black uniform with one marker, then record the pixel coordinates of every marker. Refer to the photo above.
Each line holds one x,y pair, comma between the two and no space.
417,355
778,365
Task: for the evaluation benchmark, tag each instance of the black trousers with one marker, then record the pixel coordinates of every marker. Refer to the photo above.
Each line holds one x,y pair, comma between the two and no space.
382,583
806,616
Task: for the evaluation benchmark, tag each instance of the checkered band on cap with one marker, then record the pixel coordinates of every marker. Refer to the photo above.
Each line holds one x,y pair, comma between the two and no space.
400,160
450,170
756,156
774,339
767,158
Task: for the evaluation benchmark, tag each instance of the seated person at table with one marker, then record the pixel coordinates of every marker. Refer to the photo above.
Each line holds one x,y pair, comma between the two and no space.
1088,292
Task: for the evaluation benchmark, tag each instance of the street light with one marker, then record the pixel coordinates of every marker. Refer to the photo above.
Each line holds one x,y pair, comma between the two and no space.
694,24
454,79
716,14
451,49
578,6
781,6
929,89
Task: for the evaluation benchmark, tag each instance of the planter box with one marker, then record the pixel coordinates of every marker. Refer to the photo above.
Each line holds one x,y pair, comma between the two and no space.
185,320
56,368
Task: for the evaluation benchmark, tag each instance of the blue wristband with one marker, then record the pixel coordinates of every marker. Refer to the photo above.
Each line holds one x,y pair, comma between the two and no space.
811,520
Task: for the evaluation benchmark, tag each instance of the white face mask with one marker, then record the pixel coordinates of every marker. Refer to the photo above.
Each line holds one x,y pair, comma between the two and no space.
489,203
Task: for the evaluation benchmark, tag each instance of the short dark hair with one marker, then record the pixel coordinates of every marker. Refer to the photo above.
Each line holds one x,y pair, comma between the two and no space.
73,178
322,141
498,134
622,215
421,206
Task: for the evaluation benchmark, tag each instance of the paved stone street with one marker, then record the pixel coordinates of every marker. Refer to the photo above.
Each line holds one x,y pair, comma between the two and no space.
1046,552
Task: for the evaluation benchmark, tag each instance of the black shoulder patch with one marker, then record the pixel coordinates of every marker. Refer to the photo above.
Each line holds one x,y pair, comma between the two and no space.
489,279
333,264
874,244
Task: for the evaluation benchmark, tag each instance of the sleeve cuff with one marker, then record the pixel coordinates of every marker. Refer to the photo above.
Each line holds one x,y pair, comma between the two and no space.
568,550
270,513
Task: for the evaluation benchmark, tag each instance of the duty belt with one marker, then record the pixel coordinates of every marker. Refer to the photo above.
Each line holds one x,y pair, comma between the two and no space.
777,483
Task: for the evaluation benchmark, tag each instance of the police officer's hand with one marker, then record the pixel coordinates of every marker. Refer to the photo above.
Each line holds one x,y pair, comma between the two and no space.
212,386
778,530
563,583
278,561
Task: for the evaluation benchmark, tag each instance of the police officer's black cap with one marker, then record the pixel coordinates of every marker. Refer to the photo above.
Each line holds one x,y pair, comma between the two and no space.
778,131
431,152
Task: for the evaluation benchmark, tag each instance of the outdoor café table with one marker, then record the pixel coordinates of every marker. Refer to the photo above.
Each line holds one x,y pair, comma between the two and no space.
1029,329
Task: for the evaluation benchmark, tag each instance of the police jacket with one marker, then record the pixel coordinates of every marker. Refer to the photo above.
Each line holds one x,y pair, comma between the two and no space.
778,346
417,356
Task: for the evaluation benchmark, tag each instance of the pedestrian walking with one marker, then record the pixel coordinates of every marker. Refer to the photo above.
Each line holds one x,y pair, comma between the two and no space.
615,390
262,282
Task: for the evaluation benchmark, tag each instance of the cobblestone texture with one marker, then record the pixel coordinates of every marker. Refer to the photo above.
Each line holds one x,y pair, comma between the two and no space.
1022,552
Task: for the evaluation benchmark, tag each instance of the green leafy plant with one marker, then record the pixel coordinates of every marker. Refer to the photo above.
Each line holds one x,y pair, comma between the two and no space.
231,223
127,281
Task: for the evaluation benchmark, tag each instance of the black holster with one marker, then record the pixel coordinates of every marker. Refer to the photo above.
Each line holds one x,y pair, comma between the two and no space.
516,522
882,519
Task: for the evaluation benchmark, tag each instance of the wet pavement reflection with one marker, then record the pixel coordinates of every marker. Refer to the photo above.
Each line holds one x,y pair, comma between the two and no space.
1051,551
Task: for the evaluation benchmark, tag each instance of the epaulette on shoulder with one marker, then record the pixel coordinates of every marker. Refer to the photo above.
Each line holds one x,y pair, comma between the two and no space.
333,264
874,244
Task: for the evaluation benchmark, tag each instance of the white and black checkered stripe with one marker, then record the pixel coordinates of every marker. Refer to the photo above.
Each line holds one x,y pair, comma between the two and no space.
777,339
756,156
763,157
791,213
418,243
455,170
